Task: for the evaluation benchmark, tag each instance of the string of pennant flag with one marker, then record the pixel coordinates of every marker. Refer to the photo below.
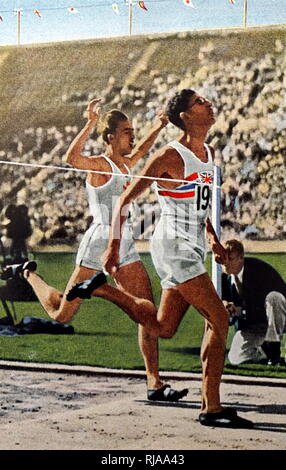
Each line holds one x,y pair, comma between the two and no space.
76,10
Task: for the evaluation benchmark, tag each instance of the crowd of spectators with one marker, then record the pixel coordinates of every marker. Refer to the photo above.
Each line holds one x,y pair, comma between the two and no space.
249,137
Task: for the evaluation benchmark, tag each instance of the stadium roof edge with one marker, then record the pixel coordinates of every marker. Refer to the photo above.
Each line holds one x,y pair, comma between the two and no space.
154,36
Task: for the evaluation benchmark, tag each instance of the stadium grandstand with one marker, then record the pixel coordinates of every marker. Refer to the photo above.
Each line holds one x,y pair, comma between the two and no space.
247,88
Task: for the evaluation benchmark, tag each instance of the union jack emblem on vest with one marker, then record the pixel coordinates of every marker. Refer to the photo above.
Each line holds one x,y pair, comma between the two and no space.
206,177
188,189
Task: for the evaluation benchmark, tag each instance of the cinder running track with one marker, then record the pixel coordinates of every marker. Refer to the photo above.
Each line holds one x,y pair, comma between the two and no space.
51,407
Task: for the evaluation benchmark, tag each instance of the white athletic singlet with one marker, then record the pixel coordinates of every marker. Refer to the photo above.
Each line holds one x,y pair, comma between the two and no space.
102,201
178,243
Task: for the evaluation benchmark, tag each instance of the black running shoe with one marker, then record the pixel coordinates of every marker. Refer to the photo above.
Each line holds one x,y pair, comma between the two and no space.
84,289
226,418
166,393
14,270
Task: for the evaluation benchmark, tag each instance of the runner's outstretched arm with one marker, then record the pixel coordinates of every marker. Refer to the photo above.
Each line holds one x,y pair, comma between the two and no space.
74,154
216,246
145,144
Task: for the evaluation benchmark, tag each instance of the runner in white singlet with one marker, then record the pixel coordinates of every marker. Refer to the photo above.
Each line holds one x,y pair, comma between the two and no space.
178,249
103,191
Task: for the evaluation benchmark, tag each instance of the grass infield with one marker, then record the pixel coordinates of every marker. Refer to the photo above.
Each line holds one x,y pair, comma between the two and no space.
105,337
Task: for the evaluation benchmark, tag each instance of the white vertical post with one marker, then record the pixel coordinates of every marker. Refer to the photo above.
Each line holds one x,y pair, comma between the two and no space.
216,268
19,26
245,13
130,16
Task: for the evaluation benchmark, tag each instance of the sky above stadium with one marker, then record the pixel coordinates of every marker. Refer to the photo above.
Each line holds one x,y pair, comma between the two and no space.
59,20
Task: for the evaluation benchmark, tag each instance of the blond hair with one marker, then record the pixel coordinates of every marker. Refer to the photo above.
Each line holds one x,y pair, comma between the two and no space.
108,124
